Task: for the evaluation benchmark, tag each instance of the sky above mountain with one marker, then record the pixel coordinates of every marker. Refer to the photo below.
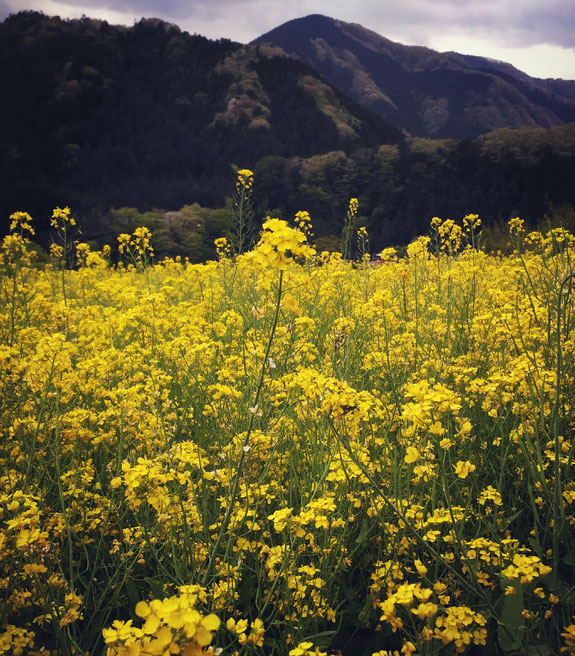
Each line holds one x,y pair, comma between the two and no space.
536,36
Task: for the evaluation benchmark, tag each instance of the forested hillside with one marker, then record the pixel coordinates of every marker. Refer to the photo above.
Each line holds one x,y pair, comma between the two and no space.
400,187
96,115
130,125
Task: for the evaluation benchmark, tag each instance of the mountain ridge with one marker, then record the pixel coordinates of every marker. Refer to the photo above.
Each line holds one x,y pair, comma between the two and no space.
427,93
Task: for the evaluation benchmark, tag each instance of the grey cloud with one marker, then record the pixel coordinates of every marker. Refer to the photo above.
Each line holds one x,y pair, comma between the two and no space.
170,9
545,27
230,10
5,10
511,23
505,23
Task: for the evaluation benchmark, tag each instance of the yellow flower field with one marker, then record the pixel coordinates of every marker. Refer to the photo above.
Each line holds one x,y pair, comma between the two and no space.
288,453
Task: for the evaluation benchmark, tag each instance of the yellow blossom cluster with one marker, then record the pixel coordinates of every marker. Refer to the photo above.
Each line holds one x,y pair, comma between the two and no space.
280,244
302,220
449,234
61,218
171,626
245,179
137,246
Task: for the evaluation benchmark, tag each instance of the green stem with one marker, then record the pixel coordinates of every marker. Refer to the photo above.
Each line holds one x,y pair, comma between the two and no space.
13,308
64,268
236,483
557,505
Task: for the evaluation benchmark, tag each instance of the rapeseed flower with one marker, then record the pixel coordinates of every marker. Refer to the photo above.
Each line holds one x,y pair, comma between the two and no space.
280,245
128,395
463,469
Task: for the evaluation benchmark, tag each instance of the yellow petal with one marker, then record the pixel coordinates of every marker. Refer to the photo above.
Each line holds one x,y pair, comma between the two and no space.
211,622
203,637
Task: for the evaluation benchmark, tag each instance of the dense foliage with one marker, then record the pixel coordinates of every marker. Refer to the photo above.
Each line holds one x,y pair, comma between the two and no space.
285,453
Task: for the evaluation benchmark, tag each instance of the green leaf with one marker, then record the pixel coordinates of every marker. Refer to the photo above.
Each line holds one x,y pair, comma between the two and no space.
536,546
539,650
322,639
363,532
509,520
133,593
155,588
570,558
365,613
510,631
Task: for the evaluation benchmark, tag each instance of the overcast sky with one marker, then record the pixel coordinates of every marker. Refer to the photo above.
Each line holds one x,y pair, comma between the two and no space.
537,36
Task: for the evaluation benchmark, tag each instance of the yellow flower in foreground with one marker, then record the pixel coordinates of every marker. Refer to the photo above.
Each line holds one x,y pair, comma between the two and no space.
420,567
280,244
412,455
408,648
569,636
463,469
306,649
425,610
168,622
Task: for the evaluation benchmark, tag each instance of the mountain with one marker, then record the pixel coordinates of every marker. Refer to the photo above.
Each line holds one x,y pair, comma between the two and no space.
142,125
95,115
429,94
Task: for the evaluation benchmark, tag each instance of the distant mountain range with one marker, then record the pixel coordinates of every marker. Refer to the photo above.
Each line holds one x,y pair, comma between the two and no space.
427,93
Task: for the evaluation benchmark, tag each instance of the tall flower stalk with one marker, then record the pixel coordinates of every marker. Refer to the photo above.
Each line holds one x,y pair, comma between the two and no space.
62,222
242,208
275,252
348,227
15,255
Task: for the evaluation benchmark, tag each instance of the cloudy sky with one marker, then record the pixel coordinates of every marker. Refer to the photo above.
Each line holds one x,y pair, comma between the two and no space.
537,36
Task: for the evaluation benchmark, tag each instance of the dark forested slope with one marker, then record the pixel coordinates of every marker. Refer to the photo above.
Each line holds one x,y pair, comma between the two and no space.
95,115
